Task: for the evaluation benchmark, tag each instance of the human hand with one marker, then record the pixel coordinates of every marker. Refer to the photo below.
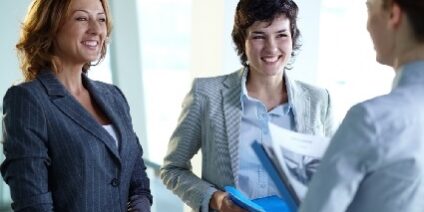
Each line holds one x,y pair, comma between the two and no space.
221,202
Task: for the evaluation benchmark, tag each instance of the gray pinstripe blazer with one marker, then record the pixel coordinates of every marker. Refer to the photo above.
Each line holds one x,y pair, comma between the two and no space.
59,158
210,121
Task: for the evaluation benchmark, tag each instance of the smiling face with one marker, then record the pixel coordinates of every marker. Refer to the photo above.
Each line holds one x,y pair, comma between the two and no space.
83,33
269,46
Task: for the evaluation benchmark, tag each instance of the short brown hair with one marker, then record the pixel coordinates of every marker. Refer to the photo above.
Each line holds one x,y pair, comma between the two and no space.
38,33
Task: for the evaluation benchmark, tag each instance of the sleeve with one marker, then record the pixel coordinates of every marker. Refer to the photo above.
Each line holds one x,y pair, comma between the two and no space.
176,172
25,168
140,197
351,155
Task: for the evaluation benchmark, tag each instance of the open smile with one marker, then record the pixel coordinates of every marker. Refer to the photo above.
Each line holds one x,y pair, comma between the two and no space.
92,44
271,59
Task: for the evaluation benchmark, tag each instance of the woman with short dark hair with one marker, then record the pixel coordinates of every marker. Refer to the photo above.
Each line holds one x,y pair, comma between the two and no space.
224,115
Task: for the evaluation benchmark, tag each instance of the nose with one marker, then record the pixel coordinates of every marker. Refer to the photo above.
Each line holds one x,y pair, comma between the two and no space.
271,45
94,27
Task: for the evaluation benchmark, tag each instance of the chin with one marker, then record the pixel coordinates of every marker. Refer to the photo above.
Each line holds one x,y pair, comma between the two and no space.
384,61
91,59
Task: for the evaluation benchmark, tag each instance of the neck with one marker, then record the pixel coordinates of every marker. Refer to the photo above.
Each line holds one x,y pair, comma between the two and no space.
70,77
267,86
271,90
411,53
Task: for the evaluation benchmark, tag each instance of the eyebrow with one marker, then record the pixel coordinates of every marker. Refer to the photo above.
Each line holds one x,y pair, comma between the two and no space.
277,32
85,11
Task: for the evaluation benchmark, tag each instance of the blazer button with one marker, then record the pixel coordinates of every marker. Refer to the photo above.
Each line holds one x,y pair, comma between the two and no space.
115,182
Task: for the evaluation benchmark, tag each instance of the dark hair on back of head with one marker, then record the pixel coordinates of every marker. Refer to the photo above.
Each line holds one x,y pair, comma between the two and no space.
414,10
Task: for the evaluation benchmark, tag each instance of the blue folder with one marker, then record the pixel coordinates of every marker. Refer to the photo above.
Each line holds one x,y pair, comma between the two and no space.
278,176
265,204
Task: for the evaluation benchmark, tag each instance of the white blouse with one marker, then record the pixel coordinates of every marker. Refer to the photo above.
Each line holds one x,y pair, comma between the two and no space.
109,128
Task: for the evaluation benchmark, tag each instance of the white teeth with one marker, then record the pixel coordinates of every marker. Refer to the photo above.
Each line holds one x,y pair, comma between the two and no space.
90,43
270,59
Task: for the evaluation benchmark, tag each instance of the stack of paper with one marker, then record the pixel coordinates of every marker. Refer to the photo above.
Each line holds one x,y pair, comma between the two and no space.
282,170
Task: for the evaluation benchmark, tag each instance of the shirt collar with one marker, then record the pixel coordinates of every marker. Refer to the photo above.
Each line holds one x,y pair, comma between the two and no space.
243,83
281,109
409,72
398,75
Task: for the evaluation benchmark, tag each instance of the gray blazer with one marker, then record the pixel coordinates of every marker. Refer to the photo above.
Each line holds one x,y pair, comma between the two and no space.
58,158
210,121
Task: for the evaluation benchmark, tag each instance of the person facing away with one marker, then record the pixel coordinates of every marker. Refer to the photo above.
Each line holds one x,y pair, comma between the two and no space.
375,161
222,116
69,143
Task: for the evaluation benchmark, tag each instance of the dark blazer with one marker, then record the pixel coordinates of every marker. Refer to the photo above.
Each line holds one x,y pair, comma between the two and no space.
59,158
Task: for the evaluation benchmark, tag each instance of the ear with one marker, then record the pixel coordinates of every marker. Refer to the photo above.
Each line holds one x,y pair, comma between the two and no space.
395,16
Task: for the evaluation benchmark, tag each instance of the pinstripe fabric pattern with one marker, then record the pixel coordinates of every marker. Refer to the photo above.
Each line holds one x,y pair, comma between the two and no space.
210,121
59,158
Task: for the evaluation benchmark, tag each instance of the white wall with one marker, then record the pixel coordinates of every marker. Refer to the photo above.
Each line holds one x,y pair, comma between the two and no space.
305,66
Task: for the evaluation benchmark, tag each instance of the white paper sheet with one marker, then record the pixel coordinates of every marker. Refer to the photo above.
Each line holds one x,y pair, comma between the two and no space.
309,148
303,144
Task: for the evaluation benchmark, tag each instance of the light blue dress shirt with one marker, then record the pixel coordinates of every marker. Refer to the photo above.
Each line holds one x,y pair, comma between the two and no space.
375,161
254,181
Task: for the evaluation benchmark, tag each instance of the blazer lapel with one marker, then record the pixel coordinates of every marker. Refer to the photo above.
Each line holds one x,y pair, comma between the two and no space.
73,109
113,110
232,113
300,103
